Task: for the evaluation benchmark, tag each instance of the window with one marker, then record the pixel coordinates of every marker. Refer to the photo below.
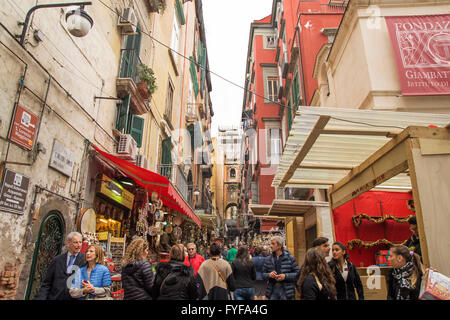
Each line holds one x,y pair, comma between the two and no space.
169,101
274,145
129,123
272,87
270,41
174,43
130,55
232,173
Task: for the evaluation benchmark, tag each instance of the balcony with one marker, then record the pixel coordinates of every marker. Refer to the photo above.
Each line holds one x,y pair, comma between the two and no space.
127,81
155,5
191,115
169,171
166,171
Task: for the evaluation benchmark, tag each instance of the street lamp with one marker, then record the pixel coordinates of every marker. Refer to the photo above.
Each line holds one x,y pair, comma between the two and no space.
78,21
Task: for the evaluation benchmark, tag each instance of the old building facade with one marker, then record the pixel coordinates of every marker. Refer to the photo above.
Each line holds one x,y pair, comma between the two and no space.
62,95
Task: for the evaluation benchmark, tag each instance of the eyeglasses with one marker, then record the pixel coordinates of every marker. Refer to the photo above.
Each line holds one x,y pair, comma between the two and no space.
191,249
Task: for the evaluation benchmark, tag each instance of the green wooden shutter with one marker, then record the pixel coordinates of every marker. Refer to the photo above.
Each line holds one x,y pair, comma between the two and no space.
136,129
199,52
130,55
194,77
296,92
203,70
191,134
289,115
180,12
166,158
123,110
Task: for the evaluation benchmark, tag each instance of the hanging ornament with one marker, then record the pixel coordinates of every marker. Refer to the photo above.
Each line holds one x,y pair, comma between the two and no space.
365,244
358,219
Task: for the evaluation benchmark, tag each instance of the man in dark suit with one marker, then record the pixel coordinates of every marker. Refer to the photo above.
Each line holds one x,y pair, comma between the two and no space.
54,286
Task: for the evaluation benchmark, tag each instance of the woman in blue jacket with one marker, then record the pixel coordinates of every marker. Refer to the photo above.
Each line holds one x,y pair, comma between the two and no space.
93,280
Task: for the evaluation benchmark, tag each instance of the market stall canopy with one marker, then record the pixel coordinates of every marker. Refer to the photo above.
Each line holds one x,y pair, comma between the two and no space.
260,209
294,208
269,217
152,182
325,144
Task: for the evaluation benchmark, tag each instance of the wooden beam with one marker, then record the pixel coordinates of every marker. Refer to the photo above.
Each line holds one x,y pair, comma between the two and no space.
418,204
434,146
320,124
312,182
382,169
360,132
325,166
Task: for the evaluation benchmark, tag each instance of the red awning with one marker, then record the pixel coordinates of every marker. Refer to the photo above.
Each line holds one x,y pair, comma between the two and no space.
152,182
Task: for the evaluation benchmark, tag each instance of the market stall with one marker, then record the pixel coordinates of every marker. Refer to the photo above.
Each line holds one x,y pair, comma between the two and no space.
304,221
349,152
131,202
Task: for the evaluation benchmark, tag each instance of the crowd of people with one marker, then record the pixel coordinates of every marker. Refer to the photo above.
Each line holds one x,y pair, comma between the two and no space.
225,273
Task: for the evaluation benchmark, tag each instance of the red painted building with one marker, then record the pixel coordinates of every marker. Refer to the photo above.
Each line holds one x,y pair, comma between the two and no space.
279,77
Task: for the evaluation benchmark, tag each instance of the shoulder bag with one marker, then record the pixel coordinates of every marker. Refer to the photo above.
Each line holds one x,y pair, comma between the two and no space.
221,276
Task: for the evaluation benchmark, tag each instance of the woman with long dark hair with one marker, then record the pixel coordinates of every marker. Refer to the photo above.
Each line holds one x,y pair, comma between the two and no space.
244,274
405,278
316,280
345,274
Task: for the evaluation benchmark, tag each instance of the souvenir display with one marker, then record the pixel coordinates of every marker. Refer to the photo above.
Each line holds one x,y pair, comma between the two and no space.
177,220
177,232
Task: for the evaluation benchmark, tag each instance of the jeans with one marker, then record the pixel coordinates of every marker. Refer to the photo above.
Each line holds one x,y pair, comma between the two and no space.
278,292
244,294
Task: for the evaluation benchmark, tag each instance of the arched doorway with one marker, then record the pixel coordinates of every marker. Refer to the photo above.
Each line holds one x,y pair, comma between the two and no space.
48,245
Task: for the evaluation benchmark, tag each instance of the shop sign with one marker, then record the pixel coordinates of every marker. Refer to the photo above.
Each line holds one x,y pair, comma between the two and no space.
24,127
422,52
116,192
14,192
62,159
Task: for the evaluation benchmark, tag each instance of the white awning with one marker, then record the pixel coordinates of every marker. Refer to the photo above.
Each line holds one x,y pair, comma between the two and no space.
324,144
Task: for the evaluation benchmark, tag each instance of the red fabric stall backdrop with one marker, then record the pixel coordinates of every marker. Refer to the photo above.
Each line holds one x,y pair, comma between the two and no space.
392,203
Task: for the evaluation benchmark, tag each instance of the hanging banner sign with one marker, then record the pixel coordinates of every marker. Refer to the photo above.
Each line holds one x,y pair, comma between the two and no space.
24,127
422,52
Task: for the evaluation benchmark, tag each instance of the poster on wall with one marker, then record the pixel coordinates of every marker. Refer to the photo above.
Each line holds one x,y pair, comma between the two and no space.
13,192
24,127
421,47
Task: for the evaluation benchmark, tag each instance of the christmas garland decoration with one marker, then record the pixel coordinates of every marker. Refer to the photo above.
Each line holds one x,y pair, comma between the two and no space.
365,244
358,219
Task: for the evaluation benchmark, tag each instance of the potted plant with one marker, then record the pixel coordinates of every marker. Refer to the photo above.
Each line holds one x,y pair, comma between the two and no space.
147,80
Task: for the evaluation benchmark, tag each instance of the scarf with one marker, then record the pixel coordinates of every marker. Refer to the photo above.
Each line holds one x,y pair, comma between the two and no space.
401,276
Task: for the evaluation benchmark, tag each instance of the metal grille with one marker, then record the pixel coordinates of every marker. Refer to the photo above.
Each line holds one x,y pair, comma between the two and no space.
48,246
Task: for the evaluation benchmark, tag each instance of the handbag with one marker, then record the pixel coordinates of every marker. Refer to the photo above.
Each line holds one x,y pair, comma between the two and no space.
104,296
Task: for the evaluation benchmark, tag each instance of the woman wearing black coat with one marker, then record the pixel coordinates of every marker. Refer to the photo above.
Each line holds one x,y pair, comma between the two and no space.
174,280
316,280
345,274
137,275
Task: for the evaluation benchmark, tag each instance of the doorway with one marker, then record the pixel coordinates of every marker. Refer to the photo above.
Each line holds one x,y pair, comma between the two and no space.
48,245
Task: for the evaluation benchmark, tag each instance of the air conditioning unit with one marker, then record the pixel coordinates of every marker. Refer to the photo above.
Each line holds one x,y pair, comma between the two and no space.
127,147
128,21
141,161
